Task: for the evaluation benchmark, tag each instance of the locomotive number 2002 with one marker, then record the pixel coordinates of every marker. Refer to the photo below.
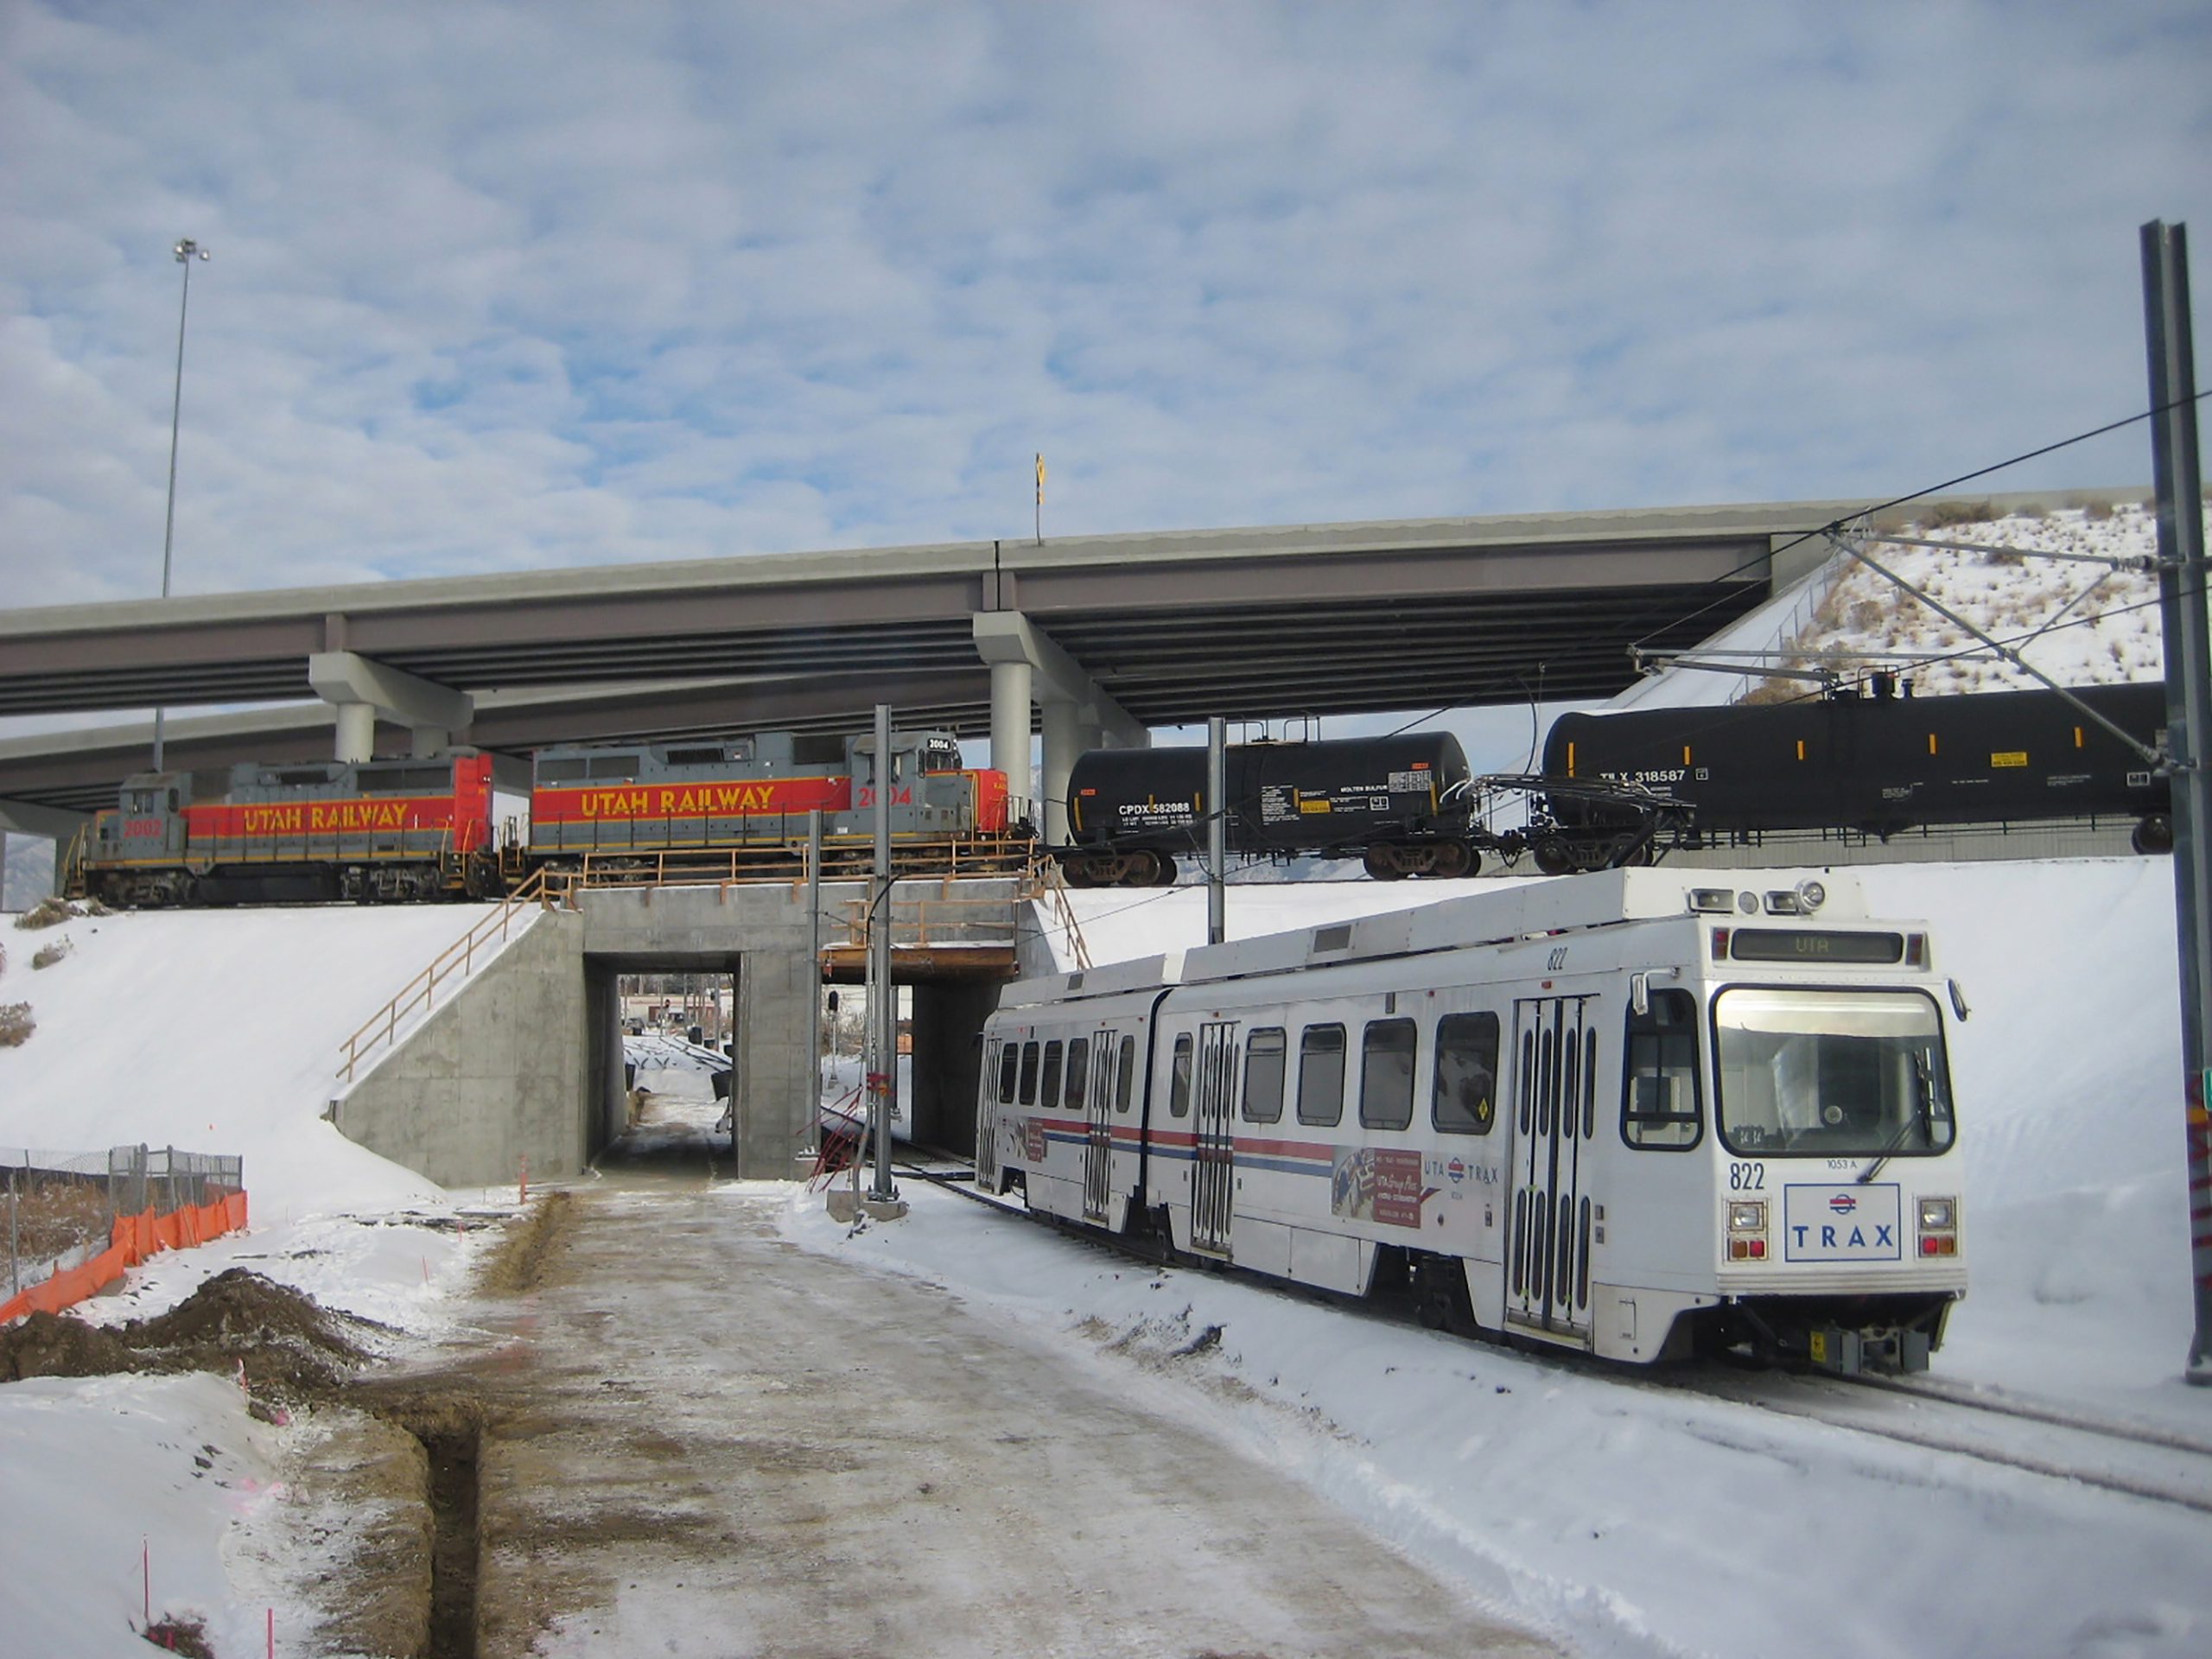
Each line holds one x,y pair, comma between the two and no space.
1747,1178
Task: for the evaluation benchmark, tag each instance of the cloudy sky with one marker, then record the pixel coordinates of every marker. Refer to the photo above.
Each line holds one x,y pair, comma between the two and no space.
504,287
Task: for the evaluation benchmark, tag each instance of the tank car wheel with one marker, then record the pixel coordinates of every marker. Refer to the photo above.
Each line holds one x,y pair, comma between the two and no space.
1384,860
2153,835
1553,857
1455,858
1163,871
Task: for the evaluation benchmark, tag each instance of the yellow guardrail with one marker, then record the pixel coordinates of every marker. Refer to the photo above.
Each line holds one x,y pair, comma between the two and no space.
382,1027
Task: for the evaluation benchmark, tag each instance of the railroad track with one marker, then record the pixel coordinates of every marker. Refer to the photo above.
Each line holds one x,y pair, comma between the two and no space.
2135,1459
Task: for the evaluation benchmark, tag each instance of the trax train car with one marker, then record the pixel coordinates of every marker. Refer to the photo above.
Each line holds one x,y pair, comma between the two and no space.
1878,765
1635,1113
378,831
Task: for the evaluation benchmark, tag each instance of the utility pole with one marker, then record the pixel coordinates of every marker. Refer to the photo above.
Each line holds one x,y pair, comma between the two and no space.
1217,830
2183,616
186,251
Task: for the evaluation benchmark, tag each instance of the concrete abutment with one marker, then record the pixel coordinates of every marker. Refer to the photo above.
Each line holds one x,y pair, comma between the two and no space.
525,1060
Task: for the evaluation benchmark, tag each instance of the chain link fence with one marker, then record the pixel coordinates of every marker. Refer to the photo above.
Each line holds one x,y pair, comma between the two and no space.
62,1206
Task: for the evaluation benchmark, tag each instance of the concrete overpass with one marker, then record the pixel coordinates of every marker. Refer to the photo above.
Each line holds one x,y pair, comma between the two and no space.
1091,639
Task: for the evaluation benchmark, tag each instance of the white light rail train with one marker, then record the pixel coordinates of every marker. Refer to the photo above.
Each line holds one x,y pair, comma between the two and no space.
1638,1114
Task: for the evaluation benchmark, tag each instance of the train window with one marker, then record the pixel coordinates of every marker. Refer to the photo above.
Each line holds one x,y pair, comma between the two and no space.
1009,1063
572,769
1048,1091
1386,1074
1263,1066
1830,1074
1321,1075
1079,1072
1659,1091
1178,1085
1464,1100
1029,1074
1126,1086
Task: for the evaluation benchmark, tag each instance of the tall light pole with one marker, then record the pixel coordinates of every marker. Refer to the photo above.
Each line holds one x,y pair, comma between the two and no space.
186,251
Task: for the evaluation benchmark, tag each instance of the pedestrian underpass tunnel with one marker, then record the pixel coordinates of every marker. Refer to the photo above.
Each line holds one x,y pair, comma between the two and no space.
525,1068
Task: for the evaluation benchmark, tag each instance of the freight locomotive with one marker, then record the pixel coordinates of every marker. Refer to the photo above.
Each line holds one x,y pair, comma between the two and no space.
734,800
397,830
1640,1115
1403,804
1874,764
378,831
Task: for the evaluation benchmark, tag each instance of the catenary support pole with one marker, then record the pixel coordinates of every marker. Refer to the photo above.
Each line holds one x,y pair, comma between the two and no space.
1216,830
811,1086
2181,612
883,996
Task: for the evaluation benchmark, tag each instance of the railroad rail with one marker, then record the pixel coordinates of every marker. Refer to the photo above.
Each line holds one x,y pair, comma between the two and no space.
2133,1459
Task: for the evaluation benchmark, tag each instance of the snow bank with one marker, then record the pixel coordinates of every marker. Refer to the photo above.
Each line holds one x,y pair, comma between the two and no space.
215,1031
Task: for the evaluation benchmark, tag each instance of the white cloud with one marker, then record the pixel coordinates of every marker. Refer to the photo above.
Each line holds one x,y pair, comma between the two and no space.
502,287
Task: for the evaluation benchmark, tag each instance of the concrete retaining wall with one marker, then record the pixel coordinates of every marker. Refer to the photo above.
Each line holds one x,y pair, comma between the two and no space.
497,1074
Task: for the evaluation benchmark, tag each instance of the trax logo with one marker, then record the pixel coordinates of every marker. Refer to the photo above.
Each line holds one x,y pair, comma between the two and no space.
1457,1171
1841,1223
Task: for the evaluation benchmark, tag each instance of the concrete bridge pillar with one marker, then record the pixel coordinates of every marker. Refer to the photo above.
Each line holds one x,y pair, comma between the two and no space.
357,732
1010,682
1063,742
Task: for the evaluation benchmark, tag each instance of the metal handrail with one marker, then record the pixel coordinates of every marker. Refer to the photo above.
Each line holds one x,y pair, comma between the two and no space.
382,1027
1051,888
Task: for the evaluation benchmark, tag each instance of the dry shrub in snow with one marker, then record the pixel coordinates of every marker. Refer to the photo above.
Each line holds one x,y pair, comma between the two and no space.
16,1024
2097,512
48,912
53,953
1948,513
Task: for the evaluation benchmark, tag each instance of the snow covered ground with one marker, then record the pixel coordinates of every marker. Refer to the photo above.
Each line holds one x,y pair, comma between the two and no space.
1626,1517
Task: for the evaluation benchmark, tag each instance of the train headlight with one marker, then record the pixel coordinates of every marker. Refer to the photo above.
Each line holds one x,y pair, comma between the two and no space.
1751,1217
1811,895
1938,1213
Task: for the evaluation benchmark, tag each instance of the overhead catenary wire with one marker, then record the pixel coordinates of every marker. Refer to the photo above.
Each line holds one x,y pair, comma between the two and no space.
1834,525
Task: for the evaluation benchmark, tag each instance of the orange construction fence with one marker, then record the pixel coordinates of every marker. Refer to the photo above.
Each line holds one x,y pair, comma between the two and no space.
133,1239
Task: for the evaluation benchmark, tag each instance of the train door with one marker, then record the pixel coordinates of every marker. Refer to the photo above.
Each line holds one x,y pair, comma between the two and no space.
1214,1144
987,1120
1554,1117
1098,1136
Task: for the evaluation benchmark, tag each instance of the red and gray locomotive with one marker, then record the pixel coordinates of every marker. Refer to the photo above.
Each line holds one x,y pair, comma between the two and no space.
399,830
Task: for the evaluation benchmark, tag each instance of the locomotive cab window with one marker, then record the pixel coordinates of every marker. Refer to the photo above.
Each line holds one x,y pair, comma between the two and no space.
1079,1071
1659,1097
1832,1074
1029,1073
1465,1101
1048,1091
1386,1074
1179,1083
1263,1069
1321,1075
1009,1065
